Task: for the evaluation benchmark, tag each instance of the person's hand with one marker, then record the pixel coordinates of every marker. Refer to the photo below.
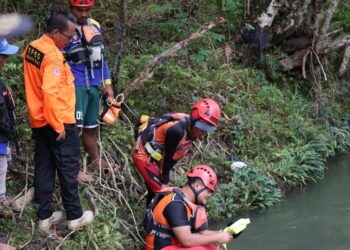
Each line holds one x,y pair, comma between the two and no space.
61,136
224,237
109,90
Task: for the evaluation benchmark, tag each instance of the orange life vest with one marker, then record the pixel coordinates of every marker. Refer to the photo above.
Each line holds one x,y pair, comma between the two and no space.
150,141
156,224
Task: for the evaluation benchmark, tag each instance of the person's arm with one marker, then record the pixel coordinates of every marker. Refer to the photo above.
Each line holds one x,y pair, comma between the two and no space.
173,137
107,82
189,239
9,100
176,215
52,71
208,232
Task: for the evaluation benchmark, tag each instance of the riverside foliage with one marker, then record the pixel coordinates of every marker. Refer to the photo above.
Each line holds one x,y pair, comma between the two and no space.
268,123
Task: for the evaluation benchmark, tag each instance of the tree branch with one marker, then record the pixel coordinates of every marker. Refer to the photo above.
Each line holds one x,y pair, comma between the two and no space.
330,13
303,68
150,65
326,46
345,61
334,44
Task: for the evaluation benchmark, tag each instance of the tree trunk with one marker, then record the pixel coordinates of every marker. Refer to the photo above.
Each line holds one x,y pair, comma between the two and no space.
287,17
302,29
298,26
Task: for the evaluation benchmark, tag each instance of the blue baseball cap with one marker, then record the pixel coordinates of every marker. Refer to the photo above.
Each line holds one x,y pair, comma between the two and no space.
6,48
204,126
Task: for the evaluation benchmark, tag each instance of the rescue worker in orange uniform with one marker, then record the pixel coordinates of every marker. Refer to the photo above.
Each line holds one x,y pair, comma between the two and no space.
165,140
50,100
178,218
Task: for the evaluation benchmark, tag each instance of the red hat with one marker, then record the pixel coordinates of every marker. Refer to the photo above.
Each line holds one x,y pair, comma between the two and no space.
82,3
206,111
206,174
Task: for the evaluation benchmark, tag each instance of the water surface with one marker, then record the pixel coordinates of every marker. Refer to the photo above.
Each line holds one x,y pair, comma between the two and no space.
314,218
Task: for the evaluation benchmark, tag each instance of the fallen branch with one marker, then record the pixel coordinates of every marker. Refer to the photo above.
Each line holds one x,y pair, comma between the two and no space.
334,44
333,32
320,64
345,61
322,44
94,244
64,239
323,48
304,63
31,236
330,13
150,65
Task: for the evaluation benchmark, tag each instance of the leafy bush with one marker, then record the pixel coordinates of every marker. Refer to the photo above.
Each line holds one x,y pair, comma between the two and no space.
249,189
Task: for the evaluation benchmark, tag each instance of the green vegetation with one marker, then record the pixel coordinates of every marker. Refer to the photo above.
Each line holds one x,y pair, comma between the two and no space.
270,124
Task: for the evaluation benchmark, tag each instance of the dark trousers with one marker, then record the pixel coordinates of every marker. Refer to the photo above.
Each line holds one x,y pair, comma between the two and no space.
51,156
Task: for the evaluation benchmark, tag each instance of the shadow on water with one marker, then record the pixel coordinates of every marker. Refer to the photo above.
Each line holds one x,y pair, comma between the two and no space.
315,218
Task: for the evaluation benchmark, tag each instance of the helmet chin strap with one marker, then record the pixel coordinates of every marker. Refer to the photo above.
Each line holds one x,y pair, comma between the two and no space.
194,120
190,126
196,194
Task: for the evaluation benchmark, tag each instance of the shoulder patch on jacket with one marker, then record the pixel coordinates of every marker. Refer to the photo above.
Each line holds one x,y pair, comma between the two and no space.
34,56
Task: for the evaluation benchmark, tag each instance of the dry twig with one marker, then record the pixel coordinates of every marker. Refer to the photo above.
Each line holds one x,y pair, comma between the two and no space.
31,235
64,239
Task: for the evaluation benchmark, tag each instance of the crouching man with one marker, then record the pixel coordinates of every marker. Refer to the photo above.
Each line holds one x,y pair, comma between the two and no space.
178,218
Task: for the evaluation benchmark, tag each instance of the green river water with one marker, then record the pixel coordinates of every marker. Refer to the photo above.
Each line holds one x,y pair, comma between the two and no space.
314,218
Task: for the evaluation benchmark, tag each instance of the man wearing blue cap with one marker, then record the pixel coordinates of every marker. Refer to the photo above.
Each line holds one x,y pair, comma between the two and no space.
7,108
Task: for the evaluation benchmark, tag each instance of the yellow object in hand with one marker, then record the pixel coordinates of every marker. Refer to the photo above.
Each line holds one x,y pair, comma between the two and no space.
236,228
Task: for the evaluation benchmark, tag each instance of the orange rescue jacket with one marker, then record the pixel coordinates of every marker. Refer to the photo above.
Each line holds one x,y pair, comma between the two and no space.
49,85
139,151
158,226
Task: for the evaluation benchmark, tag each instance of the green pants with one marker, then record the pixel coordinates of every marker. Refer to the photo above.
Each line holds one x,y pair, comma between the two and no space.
87,106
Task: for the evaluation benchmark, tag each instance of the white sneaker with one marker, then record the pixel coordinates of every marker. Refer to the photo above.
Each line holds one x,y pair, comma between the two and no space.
85,219
56,217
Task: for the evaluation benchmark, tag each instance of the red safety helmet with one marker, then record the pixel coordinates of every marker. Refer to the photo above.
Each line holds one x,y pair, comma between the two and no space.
206,174
82,3
208,110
